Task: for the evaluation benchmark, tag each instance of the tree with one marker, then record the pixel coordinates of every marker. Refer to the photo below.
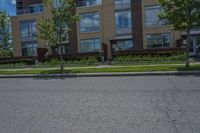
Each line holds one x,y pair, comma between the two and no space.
182,15
55,29
5,31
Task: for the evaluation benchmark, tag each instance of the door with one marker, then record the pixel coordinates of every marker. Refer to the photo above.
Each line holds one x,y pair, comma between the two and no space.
198,44
105,51
192,47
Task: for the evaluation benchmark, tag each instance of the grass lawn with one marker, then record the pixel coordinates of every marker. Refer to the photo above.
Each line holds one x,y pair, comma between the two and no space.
21,66
107,69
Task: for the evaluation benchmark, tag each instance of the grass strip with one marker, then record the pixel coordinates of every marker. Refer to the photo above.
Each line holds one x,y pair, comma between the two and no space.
109,69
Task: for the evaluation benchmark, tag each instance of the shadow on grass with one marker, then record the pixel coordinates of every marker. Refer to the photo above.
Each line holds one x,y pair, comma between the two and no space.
57,74
191,68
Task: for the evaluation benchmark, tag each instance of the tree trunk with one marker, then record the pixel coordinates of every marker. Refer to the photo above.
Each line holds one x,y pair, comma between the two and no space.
4,36
188,49
60,47
61,59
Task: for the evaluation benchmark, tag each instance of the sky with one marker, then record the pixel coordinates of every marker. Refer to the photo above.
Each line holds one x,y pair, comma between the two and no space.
9,6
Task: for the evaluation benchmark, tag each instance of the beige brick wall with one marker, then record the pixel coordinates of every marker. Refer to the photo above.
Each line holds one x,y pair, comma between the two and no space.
107,23
16,34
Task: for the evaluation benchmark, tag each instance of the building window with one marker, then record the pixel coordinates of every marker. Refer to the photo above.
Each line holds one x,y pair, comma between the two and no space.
90,22
123,22
122,45
122,4
81,3
28,29
29,48
90,45
158,40
151,16
36,8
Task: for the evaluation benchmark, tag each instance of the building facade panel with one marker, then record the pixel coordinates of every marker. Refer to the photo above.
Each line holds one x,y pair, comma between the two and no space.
150,16
137,23
118,25
16,30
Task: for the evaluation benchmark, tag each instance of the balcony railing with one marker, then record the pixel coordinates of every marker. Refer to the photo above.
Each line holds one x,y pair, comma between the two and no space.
87,3
122,5
123,31
30,10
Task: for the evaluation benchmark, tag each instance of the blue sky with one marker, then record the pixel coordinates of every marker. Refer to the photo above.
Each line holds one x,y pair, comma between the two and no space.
9,6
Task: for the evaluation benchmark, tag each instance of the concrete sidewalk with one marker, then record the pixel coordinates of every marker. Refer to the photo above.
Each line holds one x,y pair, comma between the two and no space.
159,73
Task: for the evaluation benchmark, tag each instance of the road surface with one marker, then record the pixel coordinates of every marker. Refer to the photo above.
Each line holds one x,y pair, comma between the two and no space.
149,104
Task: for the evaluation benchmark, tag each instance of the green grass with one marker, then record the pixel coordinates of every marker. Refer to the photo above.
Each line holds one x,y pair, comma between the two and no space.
109,69
40,66
21,66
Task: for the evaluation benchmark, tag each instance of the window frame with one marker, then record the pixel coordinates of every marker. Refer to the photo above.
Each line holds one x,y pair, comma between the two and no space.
156,23
127,30
89,14
160,38
95,49
120,45
31,33
27,46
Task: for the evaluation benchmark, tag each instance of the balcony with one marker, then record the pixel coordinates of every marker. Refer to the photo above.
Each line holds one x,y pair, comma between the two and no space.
32,9
123,31
87,3
122,5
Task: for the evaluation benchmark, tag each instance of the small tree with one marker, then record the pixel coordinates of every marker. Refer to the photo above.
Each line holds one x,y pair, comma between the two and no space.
5,31
182,15
55,28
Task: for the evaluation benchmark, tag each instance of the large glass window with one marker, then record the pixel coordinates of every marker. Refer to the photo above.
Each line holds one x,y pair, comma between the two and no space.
90,22
158,40
122,45
123,22
88,2
90,45
151,16
29,48
28,29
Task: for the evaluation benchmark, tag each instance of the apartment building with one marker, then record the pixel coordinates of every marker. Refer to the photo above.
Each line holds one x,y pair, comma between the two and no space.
106,26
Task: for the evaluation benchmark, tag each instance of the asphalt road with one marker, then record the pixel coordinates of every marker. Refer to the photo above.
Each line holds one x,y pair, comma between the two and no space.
157,104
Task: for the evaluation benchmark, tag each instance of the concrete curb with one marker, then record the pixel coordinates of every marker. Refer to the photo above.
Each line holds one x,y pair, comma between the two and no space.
163,73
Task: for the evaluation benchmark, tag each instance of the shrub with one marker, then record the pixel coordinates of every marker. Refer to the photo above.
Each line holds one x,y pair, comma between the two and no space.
20,64
156,57
75,61
83,61
5,53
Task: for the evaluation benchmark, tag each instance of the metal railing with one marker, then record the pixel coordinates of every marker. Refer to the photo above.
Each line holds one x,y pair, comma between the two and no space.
122,5
30,10
87,3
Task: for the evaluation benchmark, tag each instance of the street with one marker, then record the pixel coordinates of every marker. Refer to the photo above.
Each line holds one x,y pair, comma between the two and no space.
143,104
